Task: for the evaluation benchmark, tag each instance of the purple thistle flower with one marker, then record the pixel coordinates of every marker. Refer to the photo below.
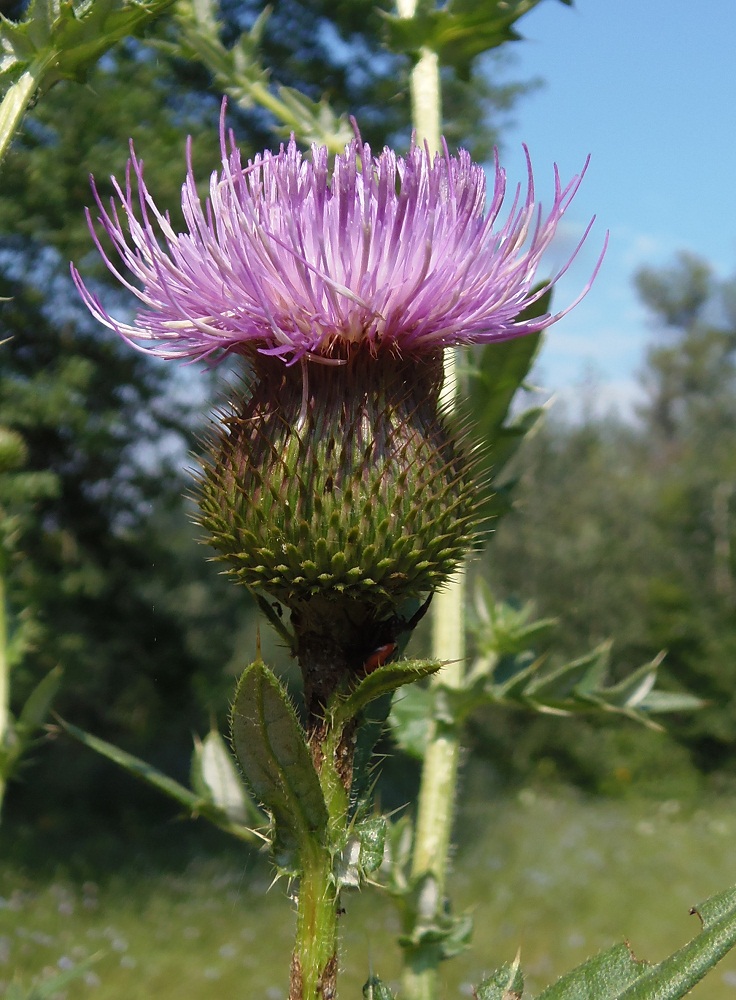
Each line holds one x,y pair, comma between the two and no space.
285,259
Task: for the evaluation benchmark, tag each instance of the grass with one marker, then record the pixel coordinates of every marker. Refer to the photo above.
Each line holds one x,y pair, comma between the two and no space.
558,875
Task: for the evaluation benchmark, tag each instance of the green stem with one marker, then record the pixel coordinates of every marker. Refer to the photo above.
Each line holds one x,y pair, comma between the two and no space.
435,812
314,963
16,101
436,808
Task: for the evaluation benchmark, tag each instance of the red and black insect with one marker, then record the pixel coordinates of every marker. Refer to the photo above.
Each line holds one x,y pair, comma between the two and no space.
389,631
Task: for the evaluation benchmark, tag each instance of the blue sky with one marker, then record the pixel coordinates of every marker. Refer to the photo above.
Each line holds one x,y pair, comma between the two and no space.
648,88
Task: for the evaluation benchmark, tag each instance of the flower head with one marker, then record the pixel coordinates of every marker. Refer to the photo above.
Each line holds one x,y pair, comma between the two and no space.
289,259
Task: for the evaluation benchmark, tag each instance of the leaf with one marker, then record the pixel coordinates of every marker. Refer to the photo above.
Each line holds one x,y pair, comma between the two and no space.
617,975
671,701
556,686
439,931
363,853
238,71
383,680
36,709
603,977
374,989
372,834
410,720
494,379
66,39
459,31
678,974
506,983
272,750
215,777
192,802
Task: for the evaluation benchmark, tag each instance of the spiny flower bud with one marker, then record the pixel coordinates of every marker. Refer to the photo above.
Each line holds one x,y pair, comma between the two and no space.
341,483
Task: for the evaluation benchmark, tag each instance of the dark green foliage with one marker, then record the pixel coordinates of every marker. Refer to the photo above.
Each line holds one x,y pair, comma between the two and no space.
627,531
272,751
459,30
102,554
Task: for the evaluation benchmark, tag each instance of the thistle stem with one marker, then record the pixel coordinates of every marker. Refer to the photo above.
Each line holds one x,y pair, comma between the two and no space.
314,962
17,99
435,811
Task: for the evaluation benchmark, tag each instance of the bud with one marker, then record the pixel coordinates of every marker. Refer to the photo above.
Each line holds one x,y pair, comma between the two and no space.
339,491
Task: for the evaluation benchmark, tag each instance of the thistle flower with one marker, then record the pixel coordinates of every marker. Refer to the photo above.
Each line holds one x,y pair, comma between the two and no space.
334,484
285,259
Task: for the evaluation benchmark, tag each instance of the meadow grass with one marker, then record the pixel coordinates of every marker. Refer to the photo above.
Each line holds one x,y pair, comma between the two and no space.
559,875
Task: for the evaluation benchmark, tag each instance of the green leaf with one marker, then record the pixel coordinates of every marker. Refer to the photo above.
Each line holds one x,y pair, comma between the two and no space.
603,977
61,39
617,975
506,983
191,801
671,701
238,71
678,974
494,379
215,777
372,835
556,686
272,750
374,989
439,932
459,31
410,720
37,706
383,680
67,38
363,853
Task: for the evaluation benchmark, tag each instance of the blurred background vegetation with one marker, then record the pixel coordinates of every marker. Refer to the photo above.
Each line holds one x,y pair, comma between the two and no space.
618,529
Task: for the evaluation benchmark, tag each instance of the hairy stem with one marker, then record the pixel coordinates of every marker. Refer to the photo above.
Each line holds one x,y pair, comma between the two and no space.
314,962
439,775
16,101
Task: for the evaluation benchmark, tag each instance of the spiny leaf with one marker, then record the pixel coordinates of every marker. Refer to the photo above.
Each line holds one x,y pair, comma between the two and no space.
678,974
506,983
458,31
603,977
616,975
238,71
67,38
374,989
272,750
381,681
